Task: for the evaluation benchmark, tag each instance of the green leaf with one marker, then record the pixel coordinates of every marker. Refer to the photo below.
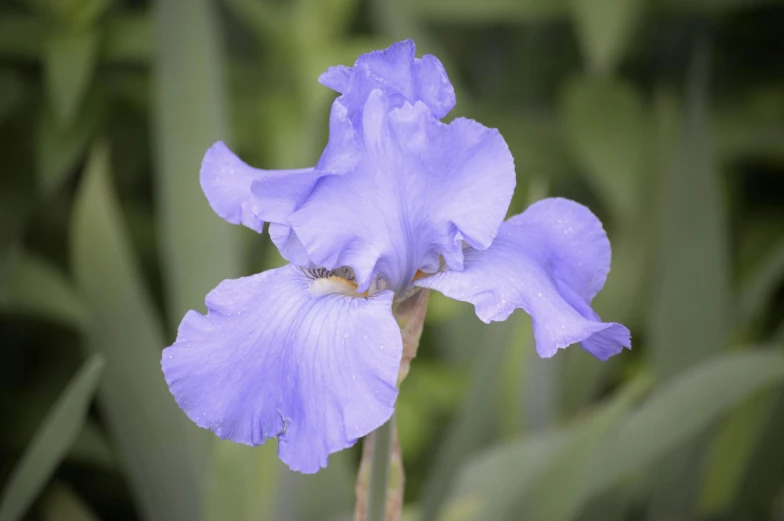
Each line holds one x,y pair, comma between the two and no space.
543,477
242,483
17,207
516,11
39,288
476,419
541,386
268,21
581,377
731,451
59,148
537,144
604,28
156,443
198,248
759,288
689,313
560,490
516,384
93,449
487,484
609,447
488,11
761,484
683,408
128,38
443,385
69,63
21,36
751,126
11,93
606,126
51,442
322,22
710,6
251,484
63,505
691,297
10,258
74,14
329,492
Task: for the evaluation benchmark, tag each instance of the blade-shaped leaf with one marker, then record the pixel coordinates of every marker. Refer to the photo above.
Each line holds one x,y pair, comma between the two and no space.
69,62
51,442
63,505
541,477
476,419
488,483
519,363
155,440
11,93
691,299
689,313
242,482
488,11
560,490
198,249
731,452
521,476
39,288
59,147
605,124
761,483
128,38
92,448
21,36
760,287
604,28
683,408
511,11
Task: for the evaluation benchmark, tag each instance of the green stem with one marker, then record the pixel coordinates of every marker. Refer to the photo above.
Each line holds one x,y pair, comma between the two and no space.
379,472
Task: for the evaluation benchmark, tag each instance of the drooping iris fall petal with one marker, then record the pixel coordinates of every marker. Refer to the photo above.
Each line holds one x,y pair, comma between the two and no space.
280,356
549,261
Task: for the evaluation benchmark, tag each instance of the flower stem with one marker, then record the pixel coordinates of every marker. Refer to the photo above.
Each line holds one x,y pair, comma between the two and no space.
379,472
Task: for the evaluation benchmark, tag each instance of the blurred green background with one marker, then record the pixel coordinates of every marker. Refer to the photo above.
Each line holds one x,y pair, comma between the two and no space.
666,117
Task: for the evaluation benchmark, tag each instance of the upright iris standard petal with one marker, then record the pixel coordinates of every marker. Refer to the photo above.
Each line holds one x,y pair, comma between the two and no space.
280,356
420,189
550,261
277,194
401,76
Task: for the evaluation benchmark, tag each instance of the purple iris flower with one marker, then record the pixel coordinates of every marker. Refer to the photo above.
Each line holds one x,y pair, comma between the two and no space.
309,353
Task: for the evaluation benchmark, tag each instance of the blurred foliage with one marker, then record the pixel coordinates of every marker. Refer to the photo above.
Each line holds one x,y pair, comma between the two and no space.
666,117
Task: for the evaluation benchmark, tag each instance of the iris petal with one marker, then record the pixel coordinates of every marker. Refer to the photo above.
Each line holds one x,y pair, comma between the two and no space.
273,359
226,181
420,188
395,189
395,71
550,261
